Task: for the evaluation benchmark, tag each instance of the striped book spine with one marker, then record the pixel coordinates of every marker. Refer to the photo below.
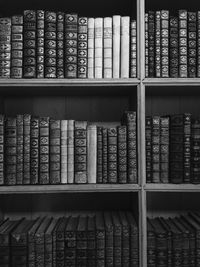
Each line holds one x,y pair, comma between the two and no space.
99,155
151,44
105,155
70,152
192,44
173,47
112,155
122,154
146,46
198,44
27,149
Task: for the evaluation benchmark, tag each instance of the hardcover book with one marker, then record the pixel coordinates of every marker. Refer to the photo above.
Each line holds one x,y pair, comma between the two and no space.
90,48
81,242
40,14
158,32
2,149
183,51
27,149
148,137
60,44
125,46
133,48
105,155
34,150
70,152
122,153
107,47
98,47
19,149
164,149
116,46
64,151
112,155
100,239
164,43
146,45
151,44
117,240
91,242
192,44
155,149
82,47
173,47
99,155
92,153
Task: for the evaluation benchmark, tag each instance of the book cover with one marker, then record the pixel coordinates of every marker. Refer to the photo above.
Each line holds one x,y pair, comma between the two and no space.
70,152
173,47
122,154
92,153
82,47
133,48
19,149
164,43
112,155
99,155
90,48
27,149
64,152
34,173
98,47
192,44
116,45
40,14
107,47
125,46
60,44
183,50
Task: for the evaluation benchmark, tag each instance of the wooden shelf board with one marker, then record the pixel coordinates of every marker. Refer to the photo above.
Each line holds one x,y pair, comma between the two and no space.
171,81
38,189
172,187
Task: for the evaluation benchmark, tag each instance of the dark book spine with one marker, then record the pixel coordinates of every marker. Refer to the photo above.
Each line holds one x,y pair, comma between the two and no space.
44,150
173,47
122,154
60,44
70,248
112,155
133,52
71,31
40,43
187,148
34,150
39,250
81,248
20,146
164,43
117,241
183,51
158,44
55,155
198,43
146,46
10,151
91,244
155,139
5,47
82,47
105,155
151,44
48,250
100,243
192,44
29,45
17,47
109,240
50,45
164,149
2,149
195,150
151,246
100,155
148,133
27,149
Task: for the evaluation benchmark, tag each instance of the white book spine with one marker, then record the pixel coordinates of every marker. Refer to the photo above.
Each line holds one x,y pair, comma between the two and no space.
70,152
133,60
116,46
92,153
125,46
98,33
90,48
107,48
64,134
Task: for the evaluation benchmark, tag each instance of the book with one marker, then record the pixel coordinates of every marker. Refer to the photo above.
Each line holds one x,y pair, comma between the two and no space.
34,160
195,153
104,155
90,48
109,239
81,242
164,43
107,47
70,152
82,47
151,44
100,239
151,244
133,49
158,32
116,46
198,43
164,149
173,47
122,153
60,242
146,45
60,44
125,239
98,47
2,149
19,149
183,51
117,240
92,153
192,44
112,155
99,155
27,148
125,46
148,138
91,242
64,151
40,40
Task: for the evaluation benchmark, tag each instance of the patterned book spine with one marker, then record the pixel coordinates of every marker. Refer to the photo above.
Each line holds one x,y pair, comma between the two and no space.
187,148
192,44
158,43
164,43
80,157
29,60
2,149
70,152
90,48
133,52
164,149
117,240
100,240
198,44
44,150
92,153
60,44
64,155
17,47
173,47
183,53
125,46
116,46
125,239
122,154
91,242
148,130
34,150
81,245
50,45
109,259
155,139
10,151
5,47
151,44
151,245
146,45
98,47
99,155
71,30
82,47
54,153
20,145
195,150
107,47
27,149
105,155
40,44
112,155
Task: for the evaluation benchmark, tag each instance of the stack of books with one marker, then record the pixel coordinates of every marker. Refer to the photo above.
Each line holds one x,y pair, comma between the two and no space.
46,44
173,241
172,44
103,239
41,150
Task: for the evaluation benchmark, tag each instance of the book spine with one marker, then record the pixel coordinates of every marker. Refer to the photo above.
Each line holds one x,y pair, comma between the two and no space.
133,52
164,149
54,155
100,245
44,150
80,147
60,249
112,155
173,47
99,155
105,155
70,152
122,154
198,44
125,46
107,47
34,150
48,250
151,248
146,46
60,44
187,148
195,146
164,43
116,46
40,43
5,47
39,250
92,153
148,137
29,60
81,248
82,47
91,245
50,45
20,145
151,44
98,47
90,48
117,245
27,149
155,139
71,30
2,149
70,248
64,151
16,47
192,44
158,43
183,53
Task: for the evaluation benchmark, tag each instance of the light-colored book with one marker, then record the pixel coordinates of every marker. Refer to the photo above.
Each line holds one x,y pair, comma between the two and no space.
70,152
125,46
92,153
107,47
64,162
98,41
90,48
116,46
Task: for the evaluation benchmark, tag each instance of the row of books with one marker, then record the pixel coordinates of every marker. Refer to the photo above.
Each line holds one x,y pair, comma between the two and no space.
46,44
172,44
42,150
105,239
173,241
173,149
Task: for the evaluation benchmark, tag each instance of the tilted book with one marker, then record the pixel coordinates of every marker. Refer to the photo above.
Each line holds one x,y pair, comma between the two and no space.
40,38
60,44
125,46
98,47
82,47
107,47
92,153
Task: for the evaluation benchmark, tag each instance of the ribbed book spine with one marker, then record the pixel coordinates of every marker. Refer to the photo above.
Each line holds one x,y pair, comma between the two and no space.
60,44
109,257
146,45
99,155
17,47
82,47
148,131
158,43
50,45
133,52
2,149
195,153
105,155
98,47
100,240
90,48
5,47
40,43
70,152
173,47
117,240
54,155
107,47
71,31
112,155
116,46
125,46
29,64
155,139
34,150
187,148
198,43
164,43
151,43
91,242
192,44
164,149
81,242
20,146
122,154
27,149
64,150
92,153
183,52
